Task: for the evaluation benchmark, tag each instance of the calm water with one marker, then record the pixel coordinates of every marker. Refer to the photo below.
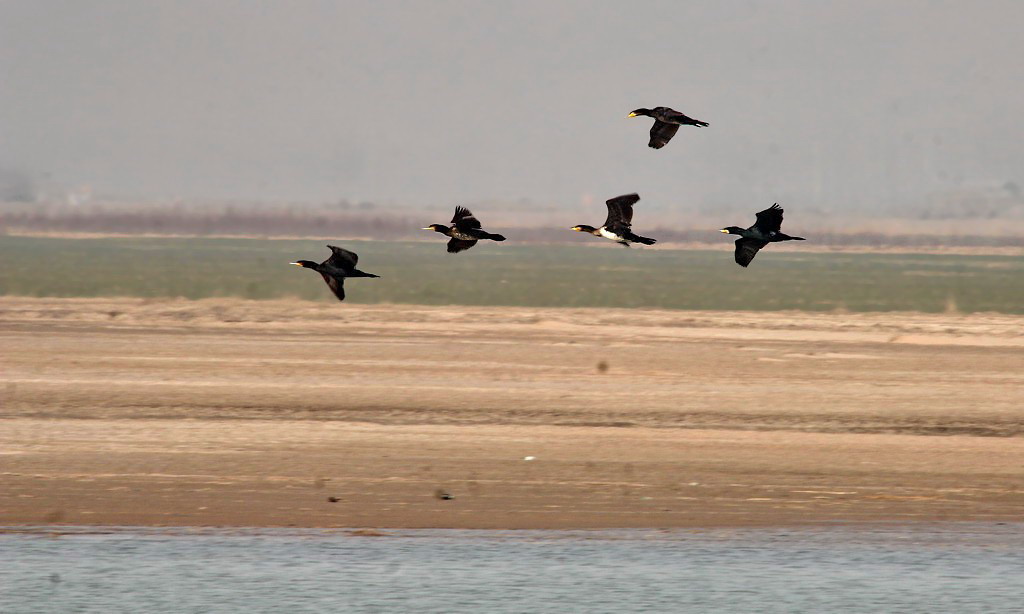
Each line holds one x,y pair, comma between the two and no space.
958,568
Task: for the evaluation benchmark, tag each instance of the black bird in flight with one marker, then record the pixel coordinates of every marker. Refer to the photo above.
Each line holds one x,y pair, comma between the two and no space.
767,229
465,231
617,225
335,269
666,122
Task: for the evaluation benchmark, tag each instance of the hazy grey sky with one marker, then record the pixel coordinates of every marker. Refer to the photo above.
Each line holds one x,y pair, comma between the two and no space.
825,104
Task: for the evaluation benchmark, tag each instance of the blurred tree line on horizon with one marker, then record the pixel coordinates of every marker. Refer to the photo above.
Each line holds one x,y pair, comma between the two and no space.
962,219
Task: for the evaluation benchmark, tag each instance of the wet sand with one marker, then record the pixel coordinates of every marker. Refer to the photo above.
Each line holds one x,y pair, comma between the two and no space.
236,413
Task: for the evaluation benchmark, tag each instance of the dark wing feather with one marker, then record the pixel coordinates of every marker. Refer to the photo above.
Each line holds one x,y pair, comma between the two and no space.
342,258
746,249
464,219
620,211
336,284
769,220
661,134
458,245
681,118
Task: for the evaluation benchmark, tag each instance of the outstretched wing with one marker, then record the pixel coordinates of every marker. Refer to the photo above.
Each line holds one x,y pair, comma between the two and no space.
620,211
458,245
769,220
464,219
342,258
662,133
746,249
336,284
682,118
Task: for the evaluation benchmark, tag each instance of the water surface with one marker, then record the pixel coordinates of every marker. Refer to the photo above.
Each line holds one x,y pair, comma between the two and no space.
516,275
955,568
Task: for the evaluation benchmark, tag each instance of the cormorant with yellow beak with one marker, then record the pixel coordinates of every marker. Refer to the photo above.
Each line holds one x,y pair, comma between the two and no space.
666,122
618,224
767,229
465,231
336,269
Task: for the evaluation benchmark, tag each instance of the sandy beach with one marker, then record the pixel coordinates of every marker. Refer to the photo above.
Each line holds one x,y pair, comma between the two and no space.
225,412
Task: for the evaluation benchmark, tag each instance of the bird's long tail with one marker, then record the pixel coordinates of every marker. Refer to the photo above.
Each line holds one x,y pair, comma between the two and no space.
494,237
638,239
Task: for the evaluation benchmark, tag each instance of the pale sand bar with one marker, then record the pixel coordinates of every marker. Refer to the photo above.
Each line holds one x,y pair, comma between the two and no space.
226,412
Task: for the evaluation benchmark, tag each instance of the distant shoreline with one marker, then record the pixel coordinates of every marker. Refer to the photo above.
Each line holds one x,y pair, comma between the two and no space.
808,247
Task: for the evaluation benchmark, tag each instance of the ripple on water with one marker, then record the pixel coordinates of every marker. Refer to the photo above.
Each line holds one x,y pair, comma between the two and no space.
961,568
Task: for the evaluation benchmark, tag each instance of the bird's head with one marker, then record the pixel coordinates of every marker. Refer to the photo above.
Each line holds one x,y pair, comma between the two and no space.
437,228
306,264
732,230
583,228
639,112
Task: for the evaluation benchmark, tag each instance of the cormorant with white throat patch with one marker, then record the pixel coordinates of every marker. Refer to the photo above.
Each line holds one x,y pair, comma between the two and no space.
341,265
618,225
465,231
767,229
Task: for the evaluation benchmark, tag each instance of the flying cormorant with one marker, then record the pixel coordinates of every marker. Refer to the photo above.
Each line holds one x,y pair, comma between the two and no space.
617,225
335,269
465,231
666,122
767,229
